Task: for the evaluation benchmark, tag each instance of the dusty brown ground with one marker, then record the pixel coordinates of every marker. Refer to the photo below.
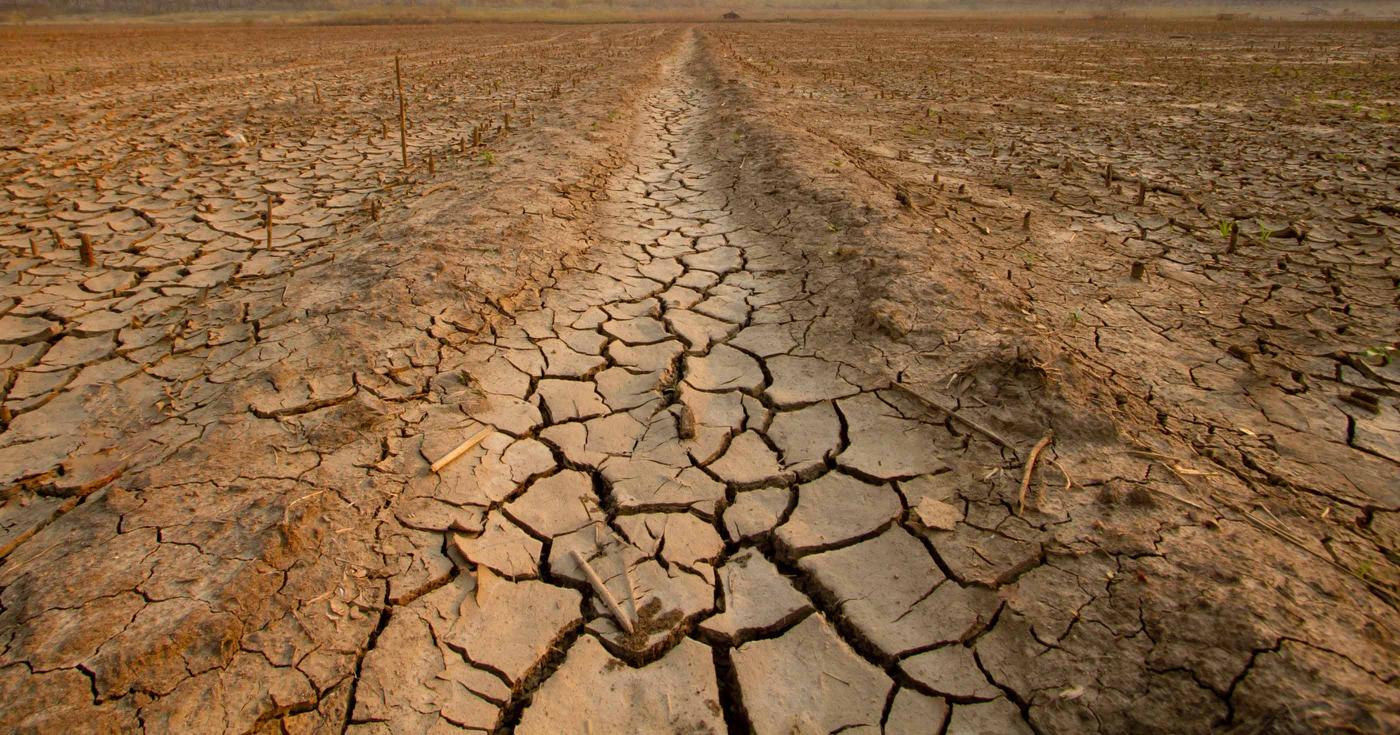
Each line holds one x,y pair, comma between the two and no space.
755,315
1260,378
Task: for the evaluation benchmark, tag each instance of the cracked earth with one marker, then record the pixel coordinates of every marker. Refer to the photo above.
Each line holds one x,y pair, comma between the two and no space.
222,517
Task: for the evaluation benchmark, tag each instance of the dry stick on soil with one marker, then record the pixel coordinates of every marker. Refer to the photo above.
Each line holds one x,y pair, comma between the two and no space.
269,221
1030,470
439,187
403,116
287,511
85,249
1069,481
969,423
597,582
462,448
1161,460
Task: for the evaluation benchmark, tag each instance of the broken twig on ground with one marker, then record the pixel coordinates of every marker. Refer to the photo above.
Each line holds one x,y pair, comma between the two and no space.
968,422
1069,481
623,620
1030,470
462,448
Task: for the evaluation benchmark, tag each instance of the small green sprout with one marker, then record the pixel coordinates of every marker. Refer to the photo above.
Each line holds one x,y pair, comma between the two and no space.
1381,354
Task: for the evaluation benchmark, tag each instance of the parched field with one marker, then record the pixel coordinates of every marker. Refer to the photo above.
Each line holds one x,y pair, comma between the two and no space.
941,376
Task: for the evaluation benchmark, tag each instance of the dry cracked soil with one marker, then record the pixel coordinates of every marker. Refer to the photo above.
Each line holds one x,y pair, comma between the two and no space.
759,333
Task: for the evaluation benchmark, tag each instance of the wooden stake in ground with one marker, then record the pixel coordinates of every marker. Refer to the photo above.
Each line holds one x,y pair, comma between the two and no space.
85,250
462,448
597,582
403,115
1030,470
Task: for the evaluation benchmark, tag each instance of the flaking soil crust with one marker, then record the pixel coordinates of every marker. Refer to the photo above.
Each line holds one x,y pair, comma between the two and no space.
1042,265
824,444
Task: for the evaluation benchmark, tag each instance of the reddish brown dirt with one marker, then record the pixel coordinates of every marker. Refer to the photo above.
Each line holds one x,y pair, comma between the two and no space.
1228,420
756,317
213,329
